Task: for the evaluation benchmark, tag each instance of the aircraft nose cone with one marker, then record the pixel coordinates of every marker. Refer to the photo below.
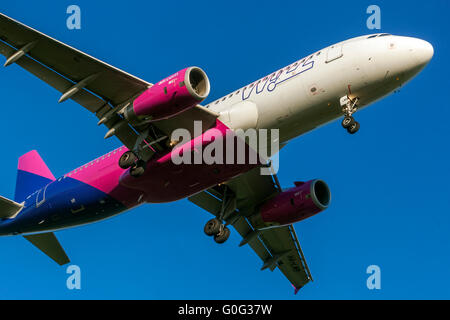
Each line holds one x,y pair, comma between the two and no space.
423,51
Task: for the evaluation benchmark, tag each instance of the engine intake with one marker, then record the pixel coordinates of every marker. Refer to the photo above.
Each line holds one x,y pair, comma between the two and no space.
171,96
303,201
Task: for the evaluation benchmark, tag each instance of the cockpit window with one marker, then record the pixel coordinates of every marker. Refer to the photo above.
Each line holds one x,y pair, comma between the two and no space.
372,36
384,34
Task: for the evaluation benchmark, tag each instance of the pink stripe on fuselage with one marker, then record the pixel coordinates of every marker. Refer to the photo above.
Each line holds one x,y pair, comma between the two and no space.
103,174
164,181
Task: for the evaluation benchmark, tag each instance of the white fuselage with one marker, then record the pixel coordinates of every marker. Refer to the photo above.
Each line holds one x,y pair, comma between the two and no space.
306,94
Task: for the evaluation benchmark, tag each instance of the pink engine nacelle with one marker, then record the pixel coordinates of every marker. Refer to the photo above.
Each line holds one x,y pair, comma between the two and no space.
303,201
171,96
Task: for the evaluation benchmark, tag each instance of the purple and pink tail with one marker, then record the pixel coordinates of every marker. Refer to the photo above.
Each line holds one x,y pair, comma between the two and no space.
32,174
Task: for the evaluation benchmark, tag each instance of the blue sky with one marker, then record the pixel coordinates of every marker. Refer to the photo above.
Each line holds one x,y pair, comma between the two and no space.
389,182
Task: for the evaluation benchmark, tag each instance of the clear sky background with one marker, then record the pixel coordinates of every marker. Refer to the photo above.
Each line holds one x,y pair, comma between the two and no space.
389,182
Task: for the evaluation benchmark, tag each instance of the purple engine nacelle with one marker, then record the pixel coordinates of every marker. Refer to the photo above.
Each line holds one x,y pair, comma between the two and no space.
303,201
171,96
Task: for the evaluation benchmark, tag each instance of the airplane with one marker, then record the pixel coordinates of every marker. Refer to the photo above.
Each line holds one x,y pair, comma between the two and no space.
334,82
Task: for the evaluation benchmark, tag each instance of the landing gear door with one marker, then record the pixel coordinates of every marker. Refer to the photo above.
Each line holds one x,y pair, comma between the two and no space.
334,53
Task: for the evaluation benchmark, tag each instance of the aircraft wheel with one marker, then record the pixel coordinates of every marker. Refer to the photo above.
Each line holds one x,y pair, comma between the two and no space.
127,160
139,169
353,128
212,227
222,236
348,122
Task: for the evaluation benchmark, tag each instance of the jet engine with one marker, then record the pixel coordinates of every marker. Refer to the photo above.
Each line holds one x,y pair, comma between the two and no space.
298,203
171,96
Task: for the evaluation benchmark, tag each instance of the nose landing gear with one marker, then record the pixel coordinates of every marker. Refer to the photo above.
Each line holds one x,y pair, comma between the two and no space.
349,108
350,124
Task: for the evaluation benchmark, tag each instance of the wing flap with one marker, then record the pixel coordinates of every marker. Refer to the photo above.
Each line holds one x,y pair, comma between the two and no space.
292,264
278,246
49,244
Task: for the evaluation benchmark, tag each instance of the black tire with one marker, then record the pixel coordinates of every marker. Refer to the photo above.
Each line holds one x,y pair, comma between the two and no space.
138,169
127,160
222,236
353,128
212,227
347,122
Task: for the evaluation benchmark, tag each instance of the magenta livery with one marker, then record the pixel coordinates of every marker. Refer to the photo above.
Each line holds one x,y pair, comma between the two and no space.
157,125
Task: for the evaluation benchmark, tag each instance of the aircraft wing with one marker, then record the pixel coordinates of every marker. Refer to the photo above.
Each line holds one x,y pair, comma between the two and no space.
277,246
99,87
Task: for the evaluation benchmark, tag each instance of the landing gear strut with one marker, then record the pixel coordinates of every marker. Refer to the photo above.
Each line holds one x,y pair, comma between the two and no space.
349,108
136,159
216,227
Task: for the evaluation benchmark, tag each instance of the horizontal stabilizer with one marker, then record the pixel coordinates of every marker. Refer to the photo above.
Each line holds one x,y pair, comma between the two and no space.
49,244
9,208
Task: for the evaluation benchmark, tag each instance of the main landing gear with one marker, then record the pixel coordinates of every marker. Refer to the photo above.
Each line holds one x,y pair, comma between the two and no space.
130,160
136,158
349,108
216,228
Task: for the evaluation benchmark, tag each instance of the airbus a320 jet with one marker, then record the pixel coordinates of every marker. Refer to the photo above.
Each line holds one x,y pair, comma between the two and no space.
334,82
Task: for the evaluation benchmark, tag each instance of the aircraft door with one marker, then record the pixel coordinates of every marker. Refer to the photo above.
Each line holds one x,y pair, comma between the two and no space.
334,52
